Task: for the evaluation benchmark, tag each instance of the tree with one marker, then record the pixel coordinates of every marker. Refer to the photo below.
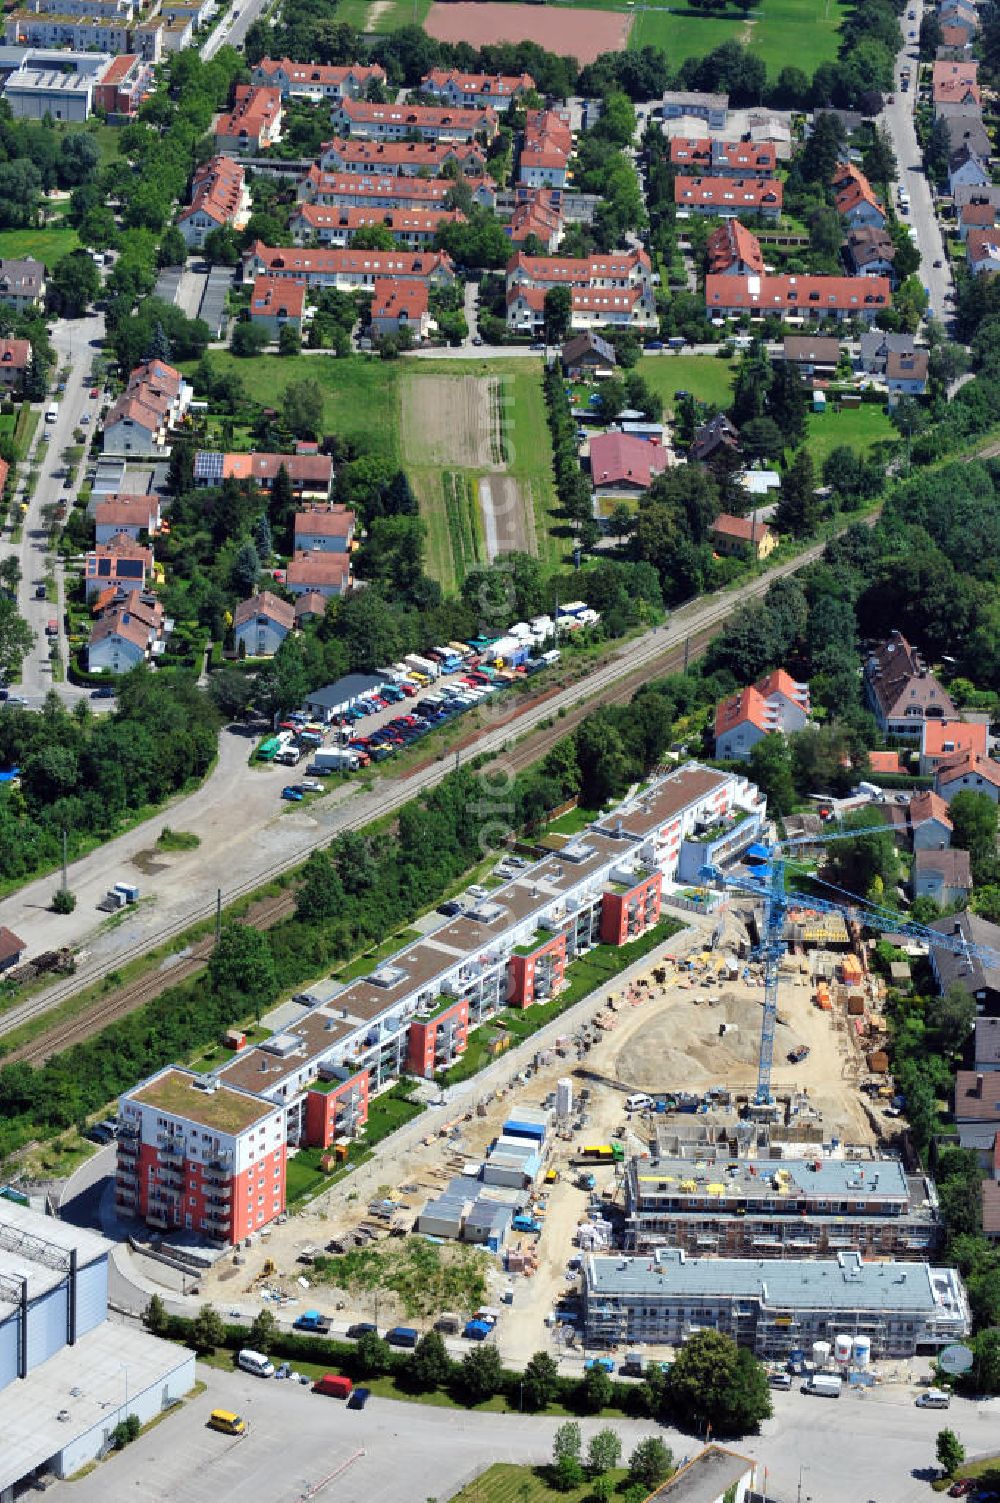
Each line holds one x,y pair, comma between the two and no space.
302,407
567,1473
603,1489
248,340
596,1389
241,965
231,692
373,1355
10,573
207,1330
557,308
222,246
541,1381
879,158
603,1453
430,1365
172,249
376,237
63,901
74,284
949,1451
246,568
711,1382
16,638
796,511
770,767
974,817
950,1018
263,1332
156,1318
481,1373
650,1463
567,1441
289,340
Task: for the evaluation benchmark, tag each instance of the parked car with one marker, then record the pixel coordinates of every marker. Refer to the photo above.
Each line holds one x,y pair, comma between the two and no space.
361,1328
292,794
961,1488
359,1398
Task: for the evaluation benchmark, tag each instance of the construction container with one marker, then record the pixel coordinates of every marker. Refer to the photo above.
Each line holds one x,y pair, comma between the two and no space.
855,1006
878,1062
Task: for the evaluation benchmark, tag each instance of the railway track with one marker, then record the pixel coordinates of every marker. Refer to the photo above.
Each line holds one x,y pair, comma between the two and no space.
522,735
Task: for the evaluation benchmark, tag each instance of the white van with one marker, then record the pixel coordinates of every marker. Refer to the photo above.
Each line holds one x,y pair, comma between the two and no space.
934,1399
256,1363
639,1102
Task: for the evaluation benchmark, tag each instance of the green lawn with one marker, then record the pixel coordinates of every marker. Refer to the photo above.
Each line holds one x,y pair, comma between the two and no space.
860,427
800,32
682,34
48,245
396,13
705,376
505,1482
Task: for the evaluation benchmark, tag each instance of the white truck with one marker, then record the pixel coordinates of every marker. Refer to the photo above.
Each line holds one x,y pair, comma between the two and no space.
825,1385
334,759
423,665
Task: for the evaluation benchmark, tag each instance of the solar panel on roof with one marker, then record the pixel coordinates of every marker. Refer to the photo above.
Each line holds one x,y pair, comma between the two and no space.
208,464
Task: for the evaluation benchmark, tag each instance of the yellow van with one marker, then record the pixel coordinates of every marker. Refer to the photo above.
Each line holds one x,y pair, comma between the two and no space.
226,1421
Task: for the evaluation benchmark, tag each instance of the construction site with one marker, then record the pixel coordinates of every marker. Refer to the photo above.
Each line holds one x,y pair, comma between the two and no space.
512,1184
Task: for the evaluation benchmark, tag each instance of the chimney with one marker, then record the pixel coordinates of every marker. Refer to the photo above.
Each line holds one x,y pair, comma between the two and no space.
980,1082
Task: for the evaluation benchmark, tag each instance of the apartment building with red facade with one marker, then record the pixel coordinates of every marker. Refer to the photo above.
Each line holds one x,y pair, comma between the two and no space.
336,1107
200,1156
630,908
436,1043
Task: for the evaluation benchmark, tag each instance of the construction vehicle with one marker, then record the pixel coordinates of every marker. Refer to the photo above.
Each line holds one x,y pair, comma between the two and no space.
585,1182
796,1056
602,1153
765,878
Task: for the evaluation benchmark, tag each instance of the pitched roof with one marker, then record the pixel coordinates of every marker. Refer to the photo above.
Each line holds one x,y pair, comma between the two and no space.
399,299
389,154
977,1096
617,459
402,190
577,271
895,669
746,705
477,83
216,191
779,293
254,112
728,193
974,973
582,344
809,348
318,568
951,865
911,367
743,529
294,261
949,738
127,511
987,1045
852,188
927,805
323,75
120,622
277,297
990,1193
733,242
265,603
884,762
968,765
329,522
10,944
778,681
15,353
416,116
311,602
983,245
351,217
977,215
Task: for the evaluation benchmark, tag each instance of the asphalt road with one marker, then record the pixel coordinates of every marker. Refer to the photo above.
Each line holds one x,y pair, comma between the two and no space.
233,28
75,342
899,118
300,1445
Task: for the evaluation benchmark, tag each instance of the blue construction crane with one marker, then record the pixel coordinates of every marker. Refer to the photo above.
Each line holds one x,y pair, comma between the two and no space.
767,882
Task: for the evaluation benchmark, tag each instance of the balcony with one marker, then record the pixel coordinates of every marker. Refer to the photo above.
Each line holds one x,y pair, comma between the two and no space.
155,1216
171,1179
127,1129
125,1195
221,1194
219,1221
171,1155
128,1148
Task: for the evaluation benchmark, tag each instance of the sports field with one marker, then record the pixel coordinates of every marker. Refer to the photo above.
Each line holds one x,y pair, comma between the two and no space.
799,33
584,36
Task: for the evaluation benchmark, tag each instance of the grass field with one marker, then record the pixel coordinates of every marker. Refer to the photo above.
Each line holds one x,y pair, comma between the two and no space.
504,1482
384,15
705,376
683,34
860,427
48,245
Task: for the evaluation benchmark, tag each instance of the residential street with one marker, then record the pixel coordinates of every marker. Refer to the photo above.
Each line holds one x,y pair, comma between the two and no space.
899,118
233,28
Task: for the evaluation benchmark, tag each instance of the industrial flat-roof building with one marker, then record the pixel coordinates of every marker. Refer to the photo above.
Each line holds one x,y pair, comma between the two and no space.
773,1305
67,1377
789,1208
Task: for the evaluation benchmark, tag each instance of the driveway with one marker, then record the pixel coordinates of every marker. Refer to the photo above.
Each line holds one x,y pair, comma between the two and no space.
898,117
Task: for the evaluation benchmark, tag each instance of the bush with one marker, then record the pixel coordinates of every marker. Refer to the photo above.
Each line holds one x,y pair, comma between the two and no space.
63,901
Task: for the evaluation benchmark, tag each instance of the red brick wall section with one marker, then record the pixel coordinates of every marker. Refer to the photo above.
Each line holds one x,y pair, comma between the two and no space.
321,1110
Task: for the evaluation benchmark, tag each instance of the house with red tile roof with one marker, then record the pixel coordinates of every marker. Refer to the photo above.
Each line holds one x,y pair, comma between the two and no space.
590,308
363,121
931,828
277,303
261,624
798,297
254,122
730,196
119,563
704,156
219,196
400,305
885,762
732,251
328,529
403,158
616,288
347,270
154,401
742,537
477,91
621,465
955,83
327,574
123,86
942,741
411,229
855,199
316,80
976,215
545,151
776,703
982,250
537,213
968,773
352,190
12,949
309,606
15,360
128,514
125,635
309,475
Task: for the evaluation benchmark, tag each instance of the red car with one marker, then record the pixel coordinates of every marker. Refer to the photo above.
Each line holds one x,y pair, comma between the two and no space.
961,1488
94,392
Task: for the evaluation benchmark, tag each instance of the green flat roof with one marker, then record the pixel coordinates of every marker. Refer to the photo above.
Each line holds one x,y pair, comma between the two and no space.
183,1095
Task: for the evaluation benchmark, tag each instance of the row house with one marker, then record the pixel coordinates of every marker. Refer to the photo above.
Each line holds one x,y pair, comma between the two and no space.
702,156
537,213
347,270
309,475
545,150
317,81
795,298
416,1008
405,122
775,704
261,624
732,251
403,158
399,306
412,229
477,91
901,691
154,401
728,197
254,122
129,631
277,303
855,199
219,196
590,308
123,86
352,190
616,269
